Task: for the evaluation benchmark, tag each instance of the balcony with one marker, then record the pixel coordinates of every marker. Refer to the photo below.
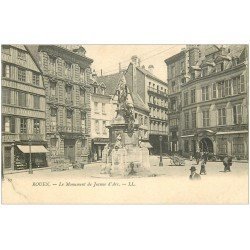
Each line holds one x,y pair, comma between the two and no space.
157,91
71,129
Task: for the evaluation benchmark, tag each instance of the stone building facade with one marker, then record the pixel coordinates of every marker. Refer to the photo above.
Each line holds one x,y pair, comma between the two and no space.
101,115
23,109
214,110
152,92
66,73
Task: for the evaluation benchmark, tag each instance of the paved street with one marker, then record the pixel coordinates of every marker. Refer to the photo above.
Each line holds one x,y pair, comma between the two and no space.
170,182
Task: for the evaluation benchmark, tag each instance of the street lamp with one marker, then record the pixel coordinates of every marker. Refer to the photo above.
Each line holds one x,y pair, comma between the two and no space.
30,165
160,163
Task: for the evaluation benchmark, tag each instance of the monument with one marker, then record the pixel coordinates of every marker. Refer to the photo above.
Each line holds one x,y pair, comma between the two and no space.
124,155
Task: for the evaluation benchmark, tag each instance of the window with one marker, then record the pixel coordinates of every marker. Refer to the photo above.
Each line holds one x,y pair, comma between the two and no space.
238,146
192,75
186,146
193,97
23,126
194,119
237,114
186,120
95,90
220,67
8,124
36,127
96,107
67,71
83,122
222,116
52,89
53,118
22,99
222,146
52,65
97,130
82,96
228,88
146,120
82,76
221,89
205,118
36,102
205,93
103,91
68,92
103,108
21,75
6,96
214,91
242,83
104,129
35,79
21,55
6,70
186,98
69,120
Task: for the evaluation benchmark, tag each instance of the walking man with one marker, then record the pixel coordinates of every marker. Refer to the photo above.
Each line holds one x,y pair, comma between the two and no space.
194,175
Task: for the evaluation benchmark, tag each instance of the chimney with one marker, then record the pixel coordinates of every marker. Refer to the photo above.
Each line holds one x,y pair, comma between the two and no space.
151,69
143,66
80,50
120,67
135,60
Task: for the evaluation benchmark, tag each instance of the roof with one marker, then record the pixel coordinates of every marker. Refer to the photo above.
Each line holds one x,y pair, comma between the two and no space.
137,102
33,50
148,73
111,82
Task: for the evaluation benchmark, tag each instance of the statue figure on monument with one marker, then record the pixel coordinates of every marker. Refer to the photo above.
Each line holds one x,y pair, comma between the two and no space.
125,108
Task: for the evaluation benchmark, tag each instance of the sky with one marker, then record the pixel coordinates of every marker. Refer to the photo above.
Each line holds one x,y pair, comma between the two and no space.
108,57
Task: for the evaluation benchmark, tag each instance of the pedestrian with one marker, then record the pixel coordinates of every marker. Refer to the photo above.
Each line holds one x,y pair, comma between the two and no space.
194,175
203,168
197,157
227,162
205,157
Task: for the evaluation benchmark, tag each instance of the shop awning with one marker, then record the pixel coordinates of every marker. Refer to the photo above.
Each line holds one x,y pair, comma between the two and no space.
146,145
184,136
34,149
232,132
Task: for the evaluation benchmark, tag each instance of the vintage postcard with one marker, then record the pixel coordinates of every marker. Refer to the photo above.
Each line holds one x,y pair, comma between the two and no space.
124,124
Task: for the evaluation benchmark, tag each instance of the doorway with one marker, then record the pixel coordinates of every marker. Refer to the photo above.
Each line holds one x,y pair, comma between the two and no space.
69,149
206,145
7,157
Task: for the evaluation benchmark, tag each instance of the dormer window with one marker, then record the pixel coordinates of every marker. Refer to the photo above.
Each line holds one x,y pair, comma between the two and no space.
103,91
220,67
95,90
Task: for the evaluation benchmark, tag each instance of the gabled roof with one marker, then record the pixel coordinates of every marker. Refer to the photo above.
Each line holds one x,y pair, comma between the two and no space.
110,81
138,103
33,50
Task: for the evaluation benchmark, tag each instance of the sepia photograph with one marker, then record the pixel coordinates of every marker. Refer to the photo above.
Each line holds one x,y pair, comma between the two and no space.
124,124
